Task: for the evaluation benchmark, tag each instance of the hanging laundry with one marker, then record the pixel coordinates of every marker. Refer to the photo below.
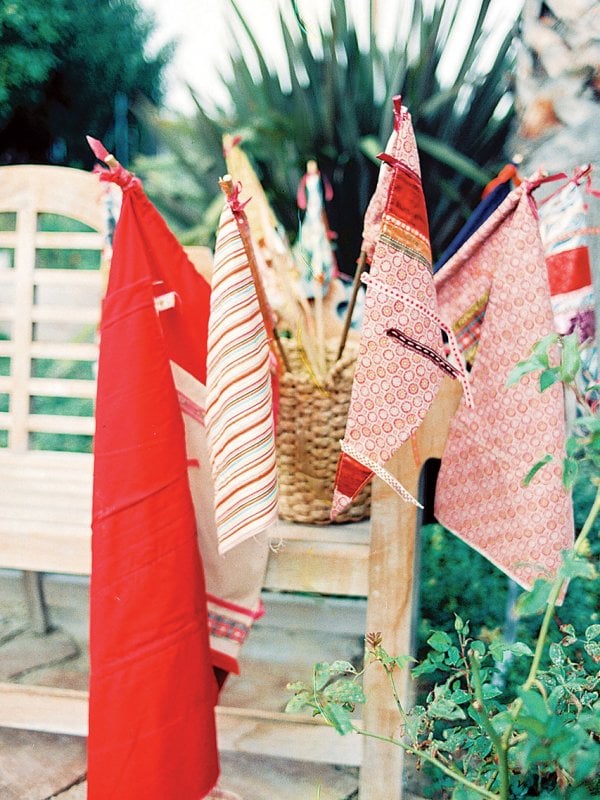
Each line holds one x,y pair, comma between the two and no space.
481,212
401,360
564,232
239,413
494,291
152,687
274,257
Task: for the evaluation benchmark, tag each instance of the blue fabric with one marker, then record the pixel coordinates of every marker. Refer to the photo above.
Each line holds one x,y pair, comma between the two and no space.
484,210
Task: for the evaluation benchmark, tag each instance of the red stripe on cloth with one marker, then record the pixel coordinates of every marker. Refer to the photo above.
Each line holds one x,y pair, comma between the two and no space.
569,270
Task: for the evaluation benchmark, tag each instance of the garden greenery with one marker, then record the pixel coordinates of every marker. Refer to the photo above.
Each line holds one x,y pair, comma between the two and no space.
541,736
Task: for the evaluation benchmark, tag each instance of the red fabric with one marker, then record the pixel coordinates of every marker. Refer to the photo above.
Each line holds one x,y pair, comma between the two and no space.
350,475
407,202
569,270
152,688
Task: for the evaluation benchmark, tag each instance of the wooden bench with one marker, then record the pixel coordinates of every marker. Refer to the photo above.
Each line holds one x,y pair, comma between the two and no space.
50,288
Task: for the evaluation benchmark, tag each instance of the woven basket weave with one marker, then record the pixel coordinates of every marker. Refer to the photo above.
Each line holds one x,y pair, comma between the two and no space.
311,423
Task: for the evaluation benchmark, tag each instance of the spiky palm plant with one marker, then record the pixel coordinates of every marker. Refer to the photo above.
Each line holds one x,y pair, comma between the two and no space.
338,110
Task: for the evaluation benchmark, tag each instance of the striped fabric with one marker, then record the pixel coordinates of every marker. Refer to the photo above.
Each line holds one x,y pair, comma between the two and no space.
239,414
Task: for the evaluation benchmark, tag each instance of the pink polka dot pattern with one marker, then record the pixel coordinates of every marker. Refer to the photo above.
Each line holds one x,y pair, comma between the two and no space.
394,385
492,447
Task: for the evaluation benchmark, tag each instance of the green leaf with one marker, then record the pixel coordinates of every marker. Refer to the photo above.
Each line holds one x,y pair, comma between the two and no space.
341,668
439,641
592,632
536,468
556,654
571,359
460,696
478,647
444,708
425,668
534,705
339,718
531,364
530,603
344,691
542,347
570,637
520,649
570,472
458,623
548,377
574,566
321,674
593,650
490,691
297,703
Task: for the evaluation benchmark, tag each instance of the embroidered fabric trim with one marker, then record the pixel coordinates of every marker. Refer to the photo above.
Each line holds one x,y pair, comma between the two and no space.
417,347
380,471
454,348
467,329
223,627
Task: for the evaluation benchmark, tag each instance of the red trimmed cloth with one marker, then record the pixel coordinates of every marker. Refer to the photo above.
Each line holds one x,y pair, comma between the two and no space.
239,403
495,292
401,359
152,687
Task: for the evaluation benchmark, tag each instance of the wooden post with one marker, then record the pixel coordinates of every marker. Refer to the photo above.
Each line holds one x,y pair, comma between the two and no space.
391,594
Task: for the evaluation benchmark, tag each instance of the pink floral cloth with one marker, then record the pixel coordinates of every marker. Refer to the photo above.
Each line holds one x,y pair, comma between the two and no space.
491,447
401,359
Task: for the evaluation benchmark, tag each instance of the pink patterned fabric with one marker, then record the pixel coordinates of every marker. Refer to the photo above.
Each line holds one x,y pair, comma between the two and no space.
401,141
401,359
490,449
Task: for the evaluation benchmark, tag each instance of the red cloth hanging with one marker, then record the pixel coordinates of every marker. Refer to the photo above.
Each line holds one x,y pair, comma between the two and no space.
152,687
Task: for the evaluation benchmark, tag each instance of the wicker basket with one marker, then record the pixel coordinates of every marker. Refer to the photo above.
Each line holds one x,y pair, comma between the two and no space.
311,423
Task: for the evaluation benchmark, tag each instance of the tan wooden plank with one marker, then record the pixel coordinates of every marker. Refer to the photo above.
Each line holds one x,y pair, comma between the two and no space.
6,347
79,195
328,568
346,533
54,387
66,552
68,240
49,423
88,278
52,511
41,708
87,315
390,607
62,387
67,351
284,735
46,460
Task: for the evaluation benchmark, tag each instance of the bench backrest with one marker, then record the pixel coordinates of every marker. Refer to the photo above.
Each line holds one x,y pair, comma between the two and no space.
51,242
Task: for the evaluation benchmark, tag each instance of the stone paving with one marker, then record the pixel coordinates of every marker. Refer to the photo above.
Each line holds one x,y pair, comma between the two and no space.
43,766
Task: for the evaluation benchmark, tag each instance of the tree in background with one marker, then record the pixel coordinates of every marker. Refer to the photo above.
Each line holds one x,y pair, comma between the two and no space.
337,108
69,68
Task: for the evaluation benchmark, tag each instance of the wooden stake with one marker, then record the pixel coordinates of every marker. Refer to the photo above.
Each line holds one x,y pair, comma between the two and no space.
226,184
360,268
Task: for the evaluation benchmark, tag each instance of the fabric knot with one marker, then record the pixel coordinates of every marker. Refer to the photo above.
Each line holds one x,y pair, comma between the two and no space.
119,175
234,199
